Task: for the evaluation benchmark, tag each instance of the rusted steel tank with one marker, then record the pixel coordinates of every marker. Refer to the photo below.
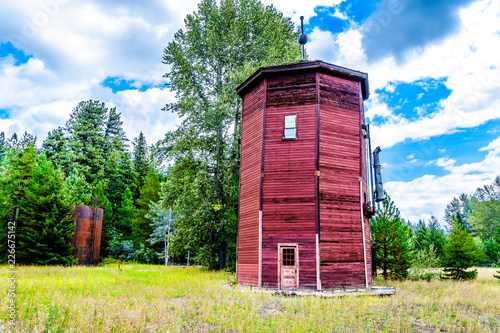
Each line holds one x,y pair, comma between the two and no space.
87,237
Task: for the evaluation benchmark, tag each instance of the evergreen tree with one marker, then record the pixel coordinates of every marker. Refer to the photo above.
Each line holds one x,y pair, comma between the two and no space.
125,215
55,143
390,242
2,146
141,162
86,130
459,253
56,148
421,239
222,44
149,193
17,171
114,130
436,235
44,238
23,143
79,191
431,235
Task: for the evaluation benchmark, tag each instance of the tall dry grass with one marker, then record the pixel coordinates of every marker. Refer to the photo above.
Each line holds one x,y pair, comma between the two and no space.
143,298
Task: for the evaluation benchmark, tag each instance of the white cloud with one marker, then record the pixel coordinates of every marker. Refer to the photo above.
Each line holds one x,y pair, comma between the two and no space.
142,110
445,162
296,8
468,59
430,194
75,46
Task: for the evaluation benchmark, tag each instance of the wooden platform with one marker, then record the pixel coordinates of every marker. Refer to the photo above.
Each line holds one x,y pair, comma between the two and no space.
374,291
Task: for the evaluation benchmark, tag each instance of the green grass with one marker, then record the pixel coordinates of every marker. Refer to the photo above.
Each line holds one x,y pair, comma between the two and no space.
144,298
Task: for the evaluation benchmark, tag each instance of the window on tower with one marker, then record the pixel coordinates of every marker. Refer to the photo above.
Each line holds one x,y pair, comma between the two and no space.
290,128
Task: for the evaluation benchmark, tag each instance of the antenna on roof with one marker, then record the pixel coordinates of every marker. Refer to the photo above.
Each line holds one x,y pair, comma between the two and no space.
302,37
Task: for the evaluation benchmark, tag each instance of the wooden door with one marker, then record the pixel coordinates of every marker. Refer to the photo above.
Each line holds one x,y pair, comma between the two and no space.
288,267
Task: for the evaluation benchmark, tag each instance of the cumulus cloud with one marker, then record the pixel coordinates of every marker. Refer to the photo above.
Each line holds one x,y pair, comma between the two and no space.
430,194
75,46
471,67
296,8
397,26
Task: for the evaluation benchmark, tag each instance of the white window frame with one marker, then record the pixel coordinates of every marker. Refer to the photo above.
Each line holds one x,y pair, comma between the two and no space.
285,137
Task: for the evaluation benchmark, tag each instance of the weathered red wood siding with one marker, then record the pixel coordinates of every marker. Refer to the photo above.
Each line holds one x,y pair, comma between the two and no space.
340,145
366,220
289,206
289,184
249,200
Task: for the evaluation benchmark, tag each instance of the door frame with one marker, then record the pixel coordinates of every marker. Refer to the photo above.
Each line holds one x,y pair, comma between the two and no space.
296,245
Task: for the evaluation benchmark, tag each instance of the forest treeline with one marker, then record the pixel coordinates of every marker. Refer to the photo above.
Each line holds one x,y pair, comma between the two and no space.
177,199
470,237
181,192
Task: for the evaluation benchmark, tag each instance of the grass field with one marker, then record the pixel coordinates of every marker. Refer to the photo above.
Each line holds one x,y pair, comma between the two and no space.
143,298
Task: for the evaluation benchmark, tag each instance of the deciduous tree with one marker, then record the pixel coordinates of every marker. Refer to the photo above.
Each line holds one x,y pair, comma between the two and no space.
222,44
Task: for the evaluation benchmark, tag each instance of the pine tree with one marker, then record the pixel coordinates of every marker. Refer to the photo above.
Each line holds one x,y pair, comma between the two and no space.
17,171
2,146
23,143
436,235
114,130
460,252
125,215
390,242
141,162
44,238
56,148
421,240
79,191
86,130
149,193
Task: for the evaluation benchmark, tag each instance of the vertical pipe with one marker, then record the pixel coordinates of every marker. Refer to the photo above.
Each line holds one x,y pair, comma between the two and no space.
317,174
363,229
262,179
260,249
372,189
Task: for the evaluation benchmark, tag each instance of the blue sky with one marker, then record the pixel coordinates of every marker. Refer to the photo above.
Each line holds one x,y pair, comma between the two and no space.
433,68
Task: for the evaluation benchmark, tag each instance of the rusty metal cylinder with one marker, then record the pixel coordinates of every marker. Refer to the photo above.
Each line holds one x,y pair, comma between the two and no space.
87,237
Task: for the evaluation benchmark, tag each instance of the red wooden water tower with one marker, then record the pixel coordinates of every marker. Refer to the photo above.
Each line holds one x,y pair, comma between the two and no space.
304,196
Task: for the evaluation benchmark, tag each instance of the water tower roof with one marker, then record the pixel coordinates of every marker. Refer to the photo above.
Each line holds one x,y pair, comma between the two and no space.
304,67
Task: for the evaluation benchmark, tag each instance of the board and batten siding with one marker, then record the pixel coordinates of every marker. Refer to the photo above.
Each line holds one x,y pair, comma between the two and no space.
340,149
280,178
288,203
249,199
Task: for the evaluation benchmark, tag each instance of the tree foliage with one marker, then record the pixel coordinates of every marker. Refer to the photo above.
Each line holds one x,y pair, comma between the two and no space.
390,241
459,253
162,224
44,236
34,198
220,46
461,208
149,193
